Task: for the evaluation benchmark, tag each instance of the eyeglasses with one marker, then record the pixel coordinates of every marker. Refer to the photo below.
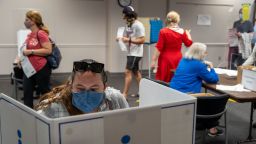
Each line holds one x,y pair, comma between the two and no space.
83,66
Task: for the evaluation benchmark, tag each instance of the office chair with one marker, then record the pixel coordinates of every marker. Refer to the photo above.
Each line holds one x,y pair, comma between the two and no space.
235,61
209,111
17,81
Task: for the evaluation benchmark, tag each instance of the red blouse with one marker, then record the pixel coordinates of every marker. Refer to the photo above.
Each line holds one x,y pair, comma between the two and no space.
169,45
38,62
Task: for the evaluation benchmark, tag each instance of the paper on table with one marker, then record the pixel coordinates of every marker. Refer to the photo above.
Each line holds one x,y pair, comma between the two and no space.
120,33
238,87
226,71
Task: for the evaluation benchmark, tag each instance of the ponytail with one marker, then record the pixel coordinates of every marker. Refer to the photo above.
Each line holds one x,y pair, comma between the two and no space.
44,28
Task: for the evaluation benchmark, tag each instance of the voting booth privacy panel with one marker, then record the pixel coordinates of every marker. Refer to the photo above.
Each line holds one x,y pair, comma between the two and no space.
164,116
152,26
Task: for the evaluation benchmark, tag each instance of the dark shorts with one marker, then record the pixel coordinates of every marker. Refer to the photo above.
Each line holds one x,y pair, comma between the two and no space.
133,63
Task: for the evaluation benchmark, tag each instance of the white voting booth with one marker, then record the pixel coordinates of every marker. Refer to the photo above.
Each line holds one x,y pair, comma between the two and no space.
164,116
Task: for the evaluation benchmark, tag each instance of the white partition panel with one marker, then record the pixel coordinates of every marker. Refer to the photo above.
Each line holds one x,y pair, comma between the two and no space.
164,116
20,124
175,125
141,126
152,93
89,131
43,132
178,111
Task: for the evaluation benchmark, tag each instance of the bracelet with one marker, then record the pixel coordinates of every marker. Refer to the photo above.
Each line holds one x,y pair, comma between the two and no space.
32,52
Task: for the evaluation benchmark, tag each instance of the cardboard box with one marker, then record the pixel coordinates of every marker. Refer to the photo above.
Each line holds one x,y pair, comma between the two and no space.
240,72
249,79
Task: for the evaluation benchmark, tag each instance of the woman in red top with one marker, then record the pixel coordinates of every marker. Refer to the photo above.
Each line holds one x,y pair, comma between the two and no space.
168,48
38,46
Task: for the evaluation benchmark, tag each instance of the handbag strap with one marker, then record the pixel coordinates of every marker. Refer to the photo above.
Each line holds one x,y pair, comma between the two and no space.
37,37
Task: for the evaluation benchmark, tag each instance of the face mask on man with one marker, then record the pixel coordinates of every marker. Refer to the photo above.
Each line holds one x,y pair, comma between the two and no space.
87,101
28,24
240,16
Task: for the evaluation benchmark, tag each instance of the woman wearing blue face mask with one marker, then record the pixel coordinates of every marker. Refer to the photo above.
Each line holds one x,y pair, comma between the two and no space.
85,93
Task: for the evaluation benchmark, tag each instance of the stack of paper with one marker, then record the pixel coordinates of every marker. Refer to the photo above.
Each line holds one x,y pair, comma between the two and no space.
120,33
238,87
226,71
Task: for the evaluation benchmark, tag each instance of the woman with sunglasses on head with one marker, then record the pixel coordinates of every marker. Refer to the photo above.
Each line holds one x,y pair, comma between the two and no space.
86,92
38,46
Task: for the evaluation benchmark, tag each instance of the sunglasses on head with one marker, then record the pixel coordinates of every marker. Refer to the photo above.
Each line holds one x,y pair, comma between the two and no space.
83,66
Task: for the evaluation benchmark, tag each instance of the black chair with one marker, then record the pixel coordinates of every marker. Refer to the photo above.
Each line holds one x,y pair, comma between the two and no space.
209,110
17,81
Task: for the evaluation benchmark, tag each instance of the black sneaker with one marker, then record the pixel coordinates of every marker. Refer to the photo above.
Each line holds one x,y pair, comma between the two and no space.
218,133
135,95
254,125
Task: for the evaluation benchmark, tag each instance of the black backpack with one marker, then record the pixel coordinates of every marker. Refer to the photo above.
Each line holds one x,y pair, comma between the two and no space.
55,57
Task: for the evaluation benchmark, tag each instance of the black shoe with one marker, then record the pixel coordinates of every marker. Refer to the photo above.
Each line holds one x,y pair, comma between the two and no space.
218,133
254,125
135,95
36,97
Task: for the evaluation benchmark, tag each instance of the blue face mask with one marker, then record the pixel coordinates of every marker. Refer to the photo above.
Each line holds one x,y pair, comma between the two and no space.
240,16
87,101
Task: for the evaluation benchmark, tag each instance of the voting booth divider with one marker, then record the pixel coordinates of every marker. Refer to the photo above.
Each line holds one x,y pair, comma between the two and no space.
152,26
163,116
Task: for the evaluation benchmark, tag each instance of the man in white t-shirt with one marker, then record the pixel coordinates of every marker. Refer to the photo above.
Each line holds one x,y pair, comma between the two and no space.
134,37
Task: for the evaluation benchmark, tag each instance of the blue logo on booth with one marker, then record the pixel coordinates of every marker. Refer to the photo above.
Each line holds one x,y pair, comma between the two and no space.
19,136
19,133
125,139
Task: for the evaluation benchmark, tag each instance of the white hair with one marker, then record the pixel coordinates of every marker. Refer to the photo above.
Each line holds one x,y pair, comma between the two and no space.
196,51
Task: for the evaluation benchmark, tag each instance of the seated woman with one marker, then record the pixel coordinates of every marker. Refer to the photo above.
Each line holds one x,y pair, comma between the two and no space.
191,71
85,93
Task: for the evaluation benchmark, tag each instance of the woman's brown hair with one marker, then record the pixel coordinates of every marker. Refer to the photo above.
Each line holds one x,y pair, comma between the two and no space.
36,17
63,94
60,94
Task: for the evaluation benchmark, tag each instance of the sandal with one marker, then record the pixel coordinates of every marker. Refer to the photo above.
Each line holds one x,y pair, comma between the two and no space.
218,133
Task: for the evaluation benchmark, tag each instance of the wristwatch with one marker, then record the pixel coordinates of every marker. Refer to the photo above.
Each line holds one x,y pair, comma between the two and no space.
32,52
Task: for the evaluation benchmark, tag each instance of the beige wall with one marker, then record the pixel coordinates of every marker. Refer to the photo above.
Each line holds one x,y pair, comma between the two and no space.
116,59
87,28
77,26
81,28
223,13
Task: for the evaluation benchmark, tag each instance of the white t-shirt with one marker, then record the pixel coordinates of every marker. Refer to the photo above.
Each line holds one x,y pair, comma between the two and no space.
136,30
